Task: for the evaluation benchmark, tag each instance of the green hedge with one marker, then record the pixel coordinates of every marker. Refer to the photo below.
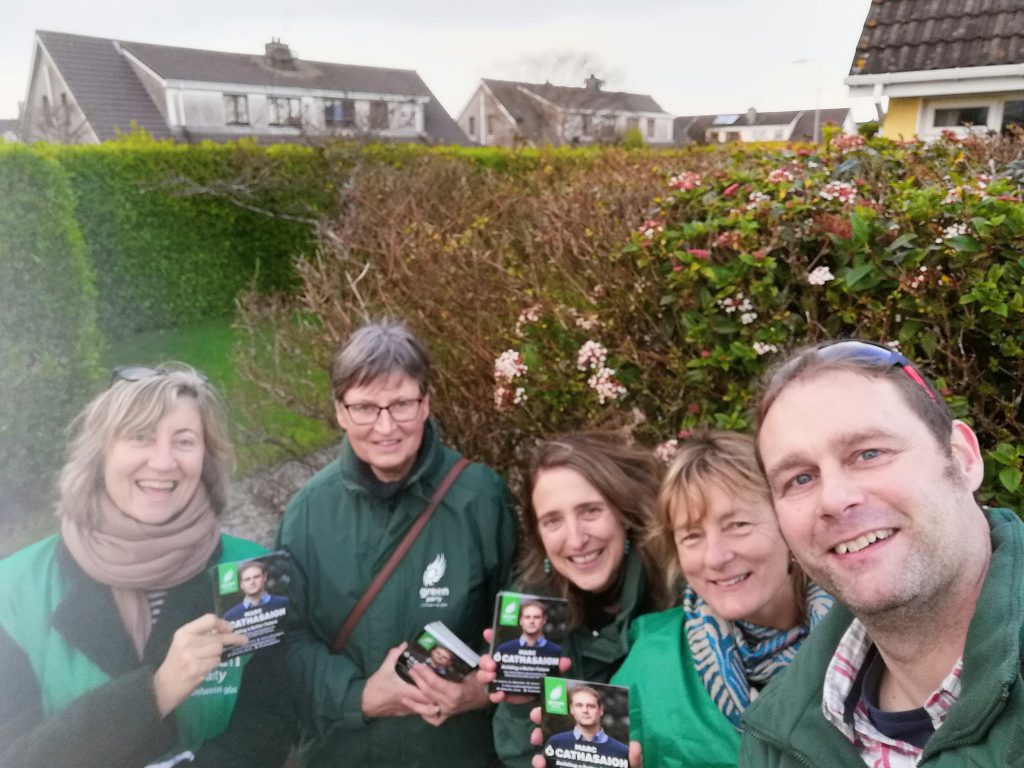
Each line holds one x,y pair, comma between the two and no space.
177,231
49,343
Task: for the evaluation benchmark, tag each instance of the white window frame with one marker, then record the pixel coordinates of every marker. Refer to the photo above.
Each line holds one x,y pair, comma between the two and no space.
928,130
232,114
293,104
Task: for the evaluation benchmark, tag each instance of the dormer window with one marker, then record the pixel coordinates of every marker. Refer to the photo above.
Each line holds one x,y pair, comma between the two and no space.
236,109
284,110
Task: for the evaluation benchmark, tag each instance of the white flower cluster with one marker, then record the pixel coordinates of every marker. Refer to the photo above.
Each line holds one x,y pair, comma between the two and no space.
820,276
592,356
507,367
739,303
953,230
585,322
756,198
526,317
838,190
666,451
763,348
920,277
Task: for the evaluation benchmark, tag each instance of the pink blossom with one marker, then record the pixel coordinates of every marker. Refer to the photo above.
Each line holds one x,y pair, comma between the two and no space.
699,253
686,180
607,387
731,189
779,176
509,366
847,141
591,356
666,451
839,190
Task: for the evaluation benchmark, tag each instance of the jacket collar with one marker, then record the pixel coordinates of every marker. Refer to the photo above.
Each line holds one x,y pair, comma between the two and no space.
427,460
790,715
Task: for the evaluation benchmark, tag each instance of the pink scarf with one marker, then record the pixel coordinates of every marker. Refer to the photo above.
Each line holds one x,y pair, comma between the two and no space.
132,557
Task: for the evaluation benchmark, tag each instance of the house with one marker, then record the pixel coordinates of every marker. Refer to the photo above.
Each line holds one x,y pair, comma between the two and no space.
942,65
9,130
799,125
85,90
507,113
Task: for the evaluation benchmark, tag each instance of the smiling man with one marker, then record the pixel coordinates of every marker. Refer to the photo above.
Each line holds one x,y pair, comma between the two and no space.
873,481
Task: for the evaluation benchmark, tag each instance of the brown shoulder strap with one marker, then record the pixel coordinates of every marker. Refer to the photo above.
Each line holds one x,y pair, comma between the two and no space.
346,629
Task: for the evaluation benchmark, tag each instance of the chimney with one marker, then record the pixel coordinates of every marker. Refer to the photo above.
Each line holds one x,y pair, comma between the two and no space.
592,83
751,116
278,54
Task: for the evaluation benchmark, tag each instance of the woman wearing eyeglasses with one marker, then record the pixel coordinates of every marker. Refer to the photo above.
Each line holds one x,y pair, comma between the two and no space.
342,528
109,650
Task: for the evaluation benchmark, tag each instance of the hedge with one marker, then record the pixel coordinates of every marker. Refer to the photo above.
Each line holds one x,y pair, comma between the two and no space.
49,343
176,232
648,292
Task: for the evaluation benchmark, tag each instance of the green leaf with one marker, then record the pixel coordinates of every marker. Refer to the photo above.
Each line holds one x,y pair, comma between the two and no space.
965,244
1010,478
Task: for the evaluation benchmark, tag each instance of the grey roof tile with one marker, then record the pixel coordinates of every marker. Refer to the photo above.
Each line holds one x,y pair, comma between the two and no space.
567,97
916,35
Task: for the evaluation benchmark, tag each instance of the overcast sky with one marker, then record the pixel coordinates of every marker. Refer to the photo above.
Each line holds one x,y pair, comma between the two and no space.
692,56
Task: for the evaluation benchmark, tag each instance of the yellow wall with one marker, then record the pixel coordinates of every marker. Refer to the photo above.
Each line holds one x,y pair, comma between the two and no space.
901,118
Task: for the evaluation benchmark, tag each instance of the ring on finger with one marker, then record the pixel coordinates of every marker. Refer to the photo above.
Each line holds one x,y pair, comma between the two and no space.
437,710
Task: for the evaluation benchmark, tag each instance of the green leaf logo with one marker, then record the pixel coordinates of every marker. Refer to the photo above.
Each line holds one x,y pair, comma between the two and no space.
227,578
556,699
509,614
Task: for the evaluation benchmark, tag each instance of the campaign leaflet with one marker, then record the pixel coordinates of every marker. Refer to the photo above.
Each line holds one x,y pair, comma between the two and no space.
584,724
528,632
440,650
252,595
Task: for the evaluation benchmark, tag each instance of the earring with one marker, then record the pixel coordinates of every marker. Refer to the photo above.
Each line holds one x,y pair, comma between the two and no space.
627,546
792,560
547,566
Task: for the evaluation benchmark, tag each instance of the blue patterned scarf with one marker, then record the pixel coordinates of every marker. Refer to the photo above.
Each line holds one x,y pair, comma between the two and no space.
735,659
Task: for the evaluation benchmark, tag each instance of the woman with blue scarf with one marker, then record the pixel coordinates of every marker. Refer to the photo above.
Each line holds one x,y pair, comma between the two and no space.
692,670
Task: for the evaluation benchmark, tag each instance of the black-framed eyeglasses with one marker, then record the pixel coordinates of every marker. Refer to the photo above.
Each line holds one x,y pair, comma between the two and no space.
365,414
143,372
869,352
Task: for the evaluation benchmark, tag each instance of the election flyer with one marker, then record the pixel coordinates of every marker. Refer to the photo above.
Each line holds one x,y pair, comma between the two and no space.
584,724
441,651
527,641
252,595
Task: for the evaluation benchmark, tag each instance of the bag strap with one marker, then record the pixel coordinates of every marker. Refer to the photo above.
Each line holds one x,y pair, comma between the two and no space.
346,629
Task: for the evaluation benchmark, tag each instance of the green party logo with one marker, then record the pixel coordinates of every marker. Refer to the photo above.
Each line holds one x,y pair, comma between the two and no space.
556,696
227,578
426,641
509,613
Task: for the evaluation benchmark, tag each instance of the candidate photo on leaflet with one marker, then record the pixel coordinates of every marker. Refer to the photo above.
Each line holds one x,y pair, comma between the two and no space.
587,734
110,653
590,501
252,577
533,618
341,528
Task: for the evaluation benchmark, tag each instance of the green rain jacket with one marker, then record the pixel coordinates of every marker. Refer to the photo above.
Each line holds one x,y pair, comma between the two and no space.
595,654
72,689
339,536
786,727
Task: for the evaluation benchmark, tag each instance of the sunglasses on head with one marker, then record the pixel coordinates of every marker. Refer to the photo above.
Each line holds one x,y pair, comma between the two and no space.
869,352
141,373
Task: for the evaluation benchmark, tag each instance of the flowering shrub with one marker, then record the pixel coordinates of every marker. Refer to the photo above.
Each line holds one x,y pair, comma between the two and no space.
648,291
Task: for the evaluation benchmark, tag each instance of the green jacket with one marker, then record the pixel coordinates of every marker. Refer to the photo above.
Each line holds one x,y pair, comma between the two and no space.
596,655
671,713
339,536
73,690
786,727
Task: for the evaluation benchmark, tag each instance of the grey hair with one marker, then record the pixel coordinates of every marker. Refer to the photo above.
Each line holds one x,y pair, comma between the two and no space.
379,349
138,406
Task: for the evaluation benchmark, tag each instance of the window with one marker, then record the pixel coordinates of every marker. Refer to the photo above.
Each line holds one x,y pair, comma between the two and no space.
339,113
284,110
632,123
472,126
490,125
1013,114
588,125
236,109
956,116
378,115
650,127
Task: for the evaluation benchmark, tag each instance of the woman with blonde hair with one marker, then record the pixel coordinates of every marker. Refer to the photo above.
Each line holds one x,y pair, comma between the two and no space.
110,654
747,607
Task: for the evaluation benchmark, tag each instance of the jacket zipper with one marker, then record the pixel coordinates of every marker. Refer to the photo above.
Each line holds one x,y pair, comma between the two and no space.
764,739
